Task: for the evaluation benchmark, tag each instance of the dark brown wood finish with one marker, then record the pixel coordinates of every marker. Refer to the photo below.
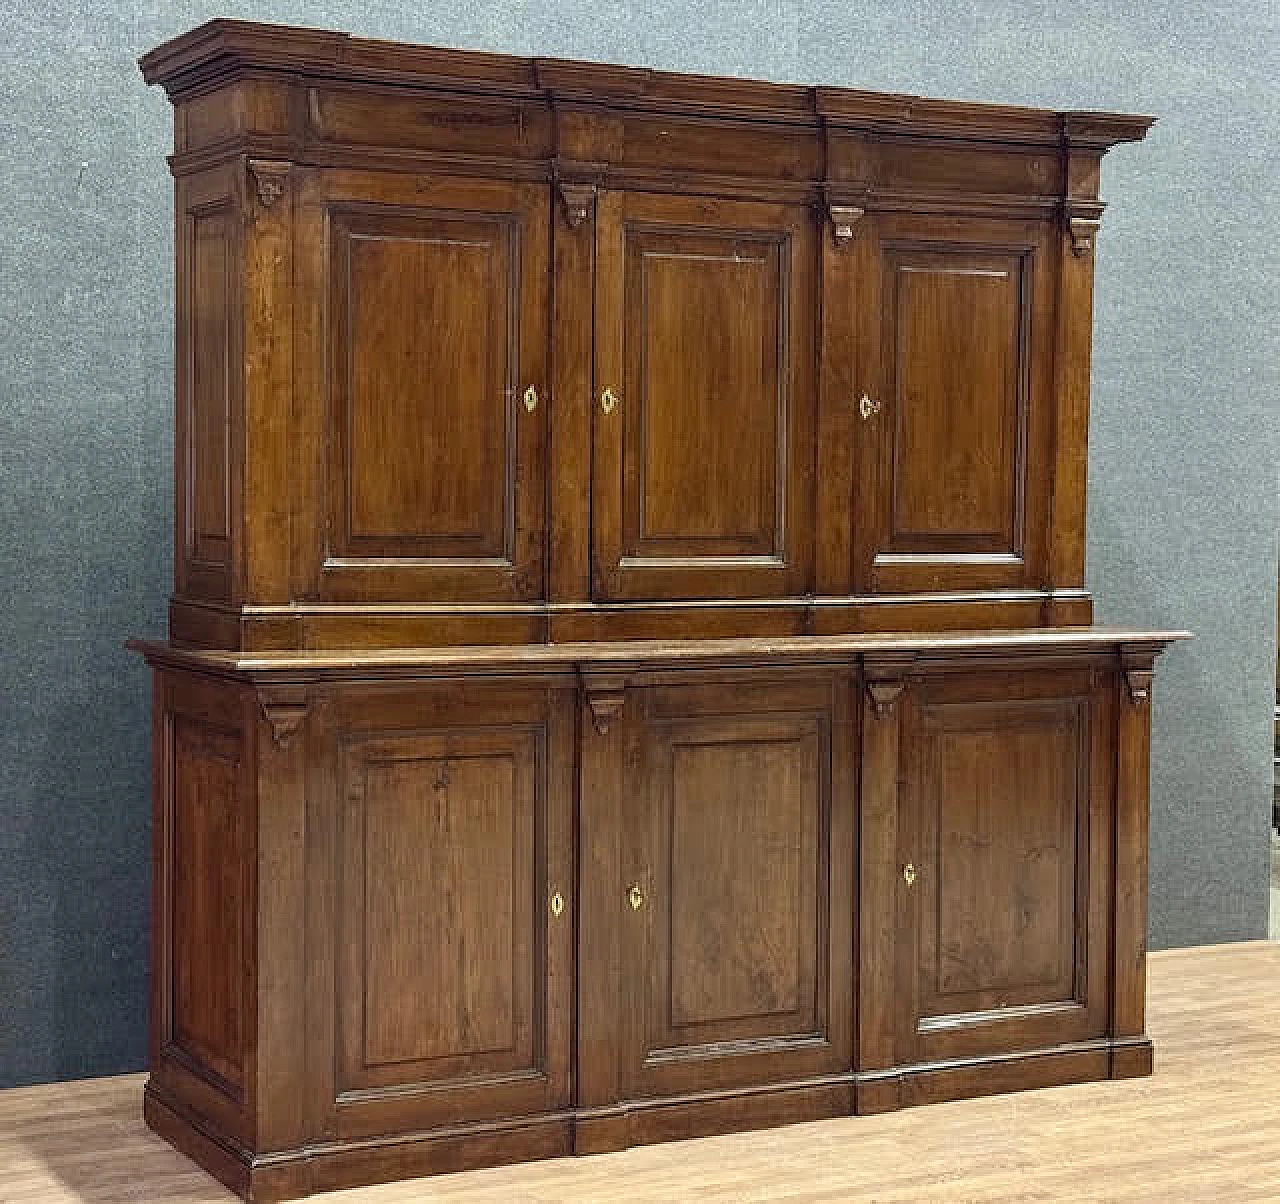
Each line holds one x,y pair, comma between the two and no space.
630,672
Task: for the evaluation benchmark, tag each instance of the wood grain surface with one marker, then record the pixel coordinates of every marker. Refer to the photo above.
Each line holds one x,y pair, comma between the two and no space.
1205,1127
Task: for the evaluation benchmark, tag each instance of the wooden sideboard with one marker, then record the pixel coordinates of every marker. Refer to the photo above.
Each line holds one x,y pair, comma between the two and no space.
630,670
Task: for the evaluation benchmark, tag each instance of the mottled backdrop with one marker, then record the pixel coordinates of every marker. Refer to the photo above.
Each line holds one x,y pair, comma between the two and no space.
1182,473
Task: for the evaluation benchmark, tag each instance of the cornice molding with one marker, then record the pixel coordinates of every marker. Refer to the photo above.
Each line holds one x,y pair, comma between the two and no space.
222,50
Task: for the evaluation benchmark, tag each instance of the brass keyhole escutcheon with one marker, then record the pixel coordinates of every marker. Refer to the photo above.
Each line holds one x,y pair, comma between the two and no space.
867,407
909,873
531,399
557,905
608,399
635,896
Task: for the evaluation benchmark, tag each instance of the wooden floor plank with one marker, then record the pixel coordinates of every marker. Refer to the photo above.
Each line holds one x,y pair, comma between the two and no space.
1206,1127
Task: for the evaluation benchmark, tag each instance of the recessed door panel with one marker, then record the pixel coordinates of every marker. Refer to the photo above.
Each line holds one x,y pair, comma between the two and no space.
702,441
734,965
434,330
1005,834
429,368
954,422
957,373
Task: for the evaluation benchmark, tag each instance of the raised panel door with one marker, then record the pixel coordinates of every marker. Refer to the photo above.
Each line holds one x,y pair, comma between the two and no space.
1004,846
453,965
426,335
703,420
736,928
955,417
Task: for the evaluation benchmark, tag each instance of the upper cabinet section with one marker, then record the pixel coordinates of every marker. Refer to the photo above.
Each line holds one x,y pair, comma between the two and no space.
480,349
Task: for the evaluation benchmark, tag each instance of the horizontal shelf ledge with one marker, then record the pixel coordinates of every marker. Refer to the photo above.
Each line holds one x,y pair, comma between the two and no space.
642,654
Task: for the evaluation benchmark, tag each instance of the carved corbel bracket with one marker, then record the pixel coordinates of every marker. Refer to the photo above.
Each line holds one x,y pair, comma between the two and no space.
1084,231
285,708
843,215
1138,666
270,177
885,679
576,185
1083,221
577,199
605,695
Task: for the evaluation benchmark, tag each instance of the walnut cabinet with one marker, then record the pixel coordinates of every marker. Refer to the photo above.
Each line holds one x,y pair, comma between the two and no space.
630,671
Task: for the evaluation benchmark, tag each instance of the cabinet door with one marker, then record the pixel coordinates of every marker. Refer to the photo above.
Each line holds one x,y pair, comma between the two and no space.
736,941
452,968
954,470
421,383
703,443
1005,844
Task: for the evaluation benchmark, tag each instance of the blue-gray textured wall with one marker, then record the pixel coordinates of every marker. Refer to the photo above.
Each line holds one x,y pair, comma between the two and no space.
1182,473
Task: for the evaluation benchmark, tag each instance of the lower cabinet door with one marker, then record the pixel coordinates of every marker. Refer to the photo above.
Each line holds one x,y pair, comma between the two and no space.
738,832
449,826
1005,852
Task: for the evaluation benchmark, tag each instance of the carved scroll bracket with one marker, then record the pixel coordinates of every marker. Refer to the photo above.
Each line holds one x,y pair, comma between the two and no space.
285,708
270,178
886,678
605,694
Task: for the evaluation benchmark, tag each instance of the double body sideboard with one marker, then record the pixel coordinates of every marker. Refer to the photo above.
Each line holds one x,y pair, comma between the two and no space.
630,673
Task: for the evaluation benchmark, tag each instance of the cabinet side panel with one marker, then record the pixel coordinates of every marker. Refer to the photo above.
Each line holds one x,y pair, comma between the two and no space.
204,975
209,897
208,384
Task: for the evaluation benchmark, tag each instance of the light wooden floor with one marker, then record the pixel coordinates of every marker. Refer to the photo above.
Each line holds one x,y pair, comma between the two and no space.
1205,1127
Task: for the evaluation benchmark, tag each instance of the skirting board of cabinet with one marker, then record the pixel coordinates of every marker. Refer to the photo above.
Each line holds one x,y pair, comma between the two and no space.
336,1165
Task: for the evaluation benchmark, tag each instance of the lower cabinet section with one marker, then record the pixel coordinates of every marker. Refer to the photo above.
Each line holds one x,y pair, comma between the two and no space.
446,916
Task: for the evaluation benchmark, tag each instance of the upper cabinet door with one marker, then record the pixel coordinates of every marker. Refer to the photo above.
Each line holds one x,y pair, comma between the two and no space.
703,413
953,393
421,352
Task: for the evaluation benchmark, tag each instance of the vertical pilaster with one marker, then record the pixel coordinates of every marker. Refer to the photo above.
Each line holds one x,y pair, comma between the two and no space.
1133,753
574,245
1081,214
599,895
876,1055
281,917
268,379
